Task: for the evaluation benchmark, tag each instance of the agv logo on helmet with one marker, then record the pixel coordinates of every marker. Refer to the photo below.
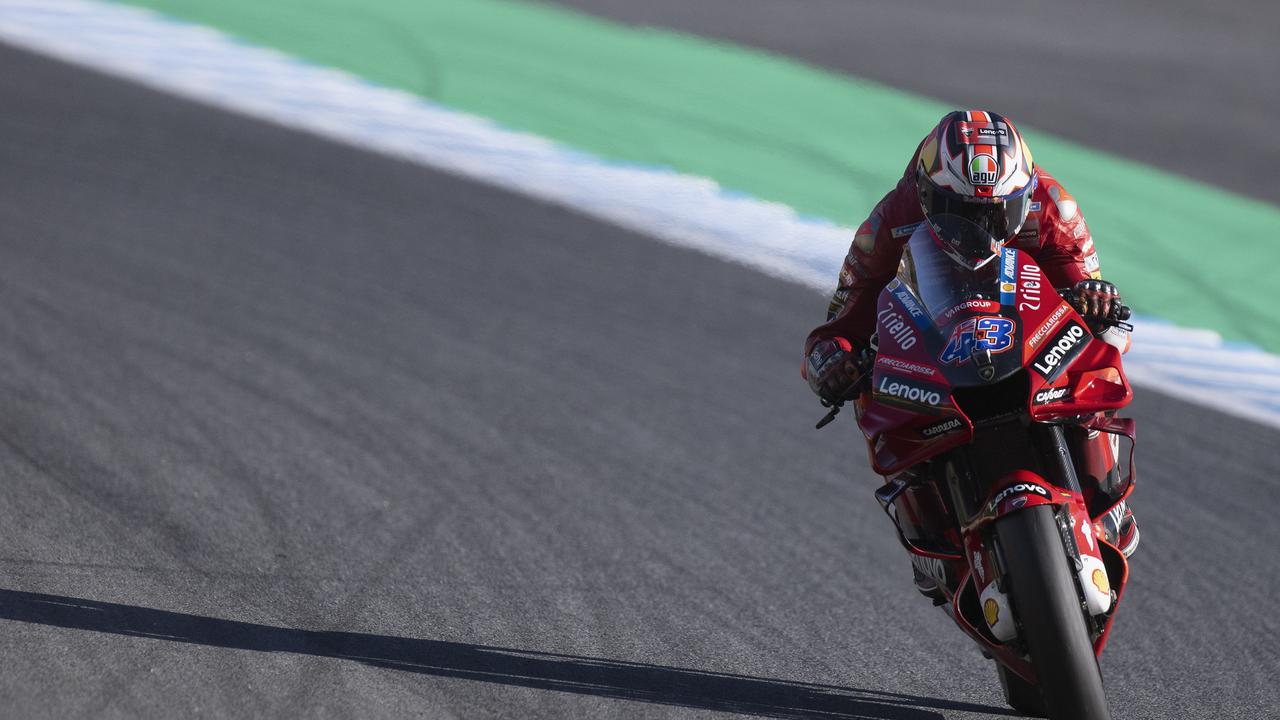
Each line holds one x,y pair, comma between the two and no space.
983,170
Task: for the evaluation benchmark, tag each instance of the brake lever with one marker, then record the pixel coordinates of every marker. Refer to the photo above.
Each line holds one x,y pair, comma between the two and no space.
1116,324
836,406
1122,313
864,370
826,419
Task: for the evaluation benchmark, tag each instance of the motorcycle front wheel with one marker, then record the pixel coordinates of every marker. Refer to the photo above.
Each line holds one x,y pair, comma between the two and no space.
1047,604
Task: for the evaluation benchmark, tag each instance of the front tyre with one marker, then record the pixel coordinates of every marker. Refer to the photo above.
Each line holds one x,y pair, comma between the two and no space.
1020,694
1043,593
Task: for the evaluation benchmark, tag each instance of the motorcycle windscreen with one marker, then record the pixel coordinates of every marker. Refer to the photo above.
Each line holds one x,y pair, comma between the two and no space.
956,269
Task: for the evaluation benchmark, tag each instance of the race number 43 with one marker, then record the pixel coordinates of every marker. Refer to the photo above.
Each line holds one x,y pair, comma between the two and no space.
984,333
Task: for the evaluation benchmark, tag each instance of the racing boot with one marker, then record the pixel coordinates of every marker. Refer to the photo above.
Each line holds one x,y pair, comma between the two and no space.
1121,528
1094,454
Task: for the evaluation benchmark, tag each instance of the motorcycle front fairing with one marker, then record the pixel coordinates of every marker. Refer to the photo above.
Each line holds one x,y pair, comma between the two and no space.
964,313
940,326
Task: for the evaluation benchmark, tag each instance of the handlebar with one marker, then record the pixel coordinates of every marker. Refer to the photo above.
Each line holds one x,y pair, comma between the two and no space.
826,419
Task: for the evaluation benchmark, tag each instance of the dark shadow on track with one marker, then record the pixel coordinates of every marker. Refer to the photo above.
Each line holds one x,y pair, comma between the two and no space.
506,666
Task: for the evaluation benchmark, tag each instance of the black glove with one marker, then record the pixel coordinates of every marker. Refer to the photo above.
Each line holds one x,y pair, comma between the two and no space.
835,368
1097,300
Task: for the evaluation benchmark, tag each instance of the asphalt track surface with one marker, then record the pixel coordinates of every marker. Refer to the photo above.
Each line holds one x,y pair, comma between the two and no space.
1182,85
292,430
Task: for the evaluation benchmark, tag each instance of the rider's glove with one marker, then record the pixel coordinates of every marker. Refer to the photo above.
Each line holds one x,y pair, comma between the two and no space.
1096,300
834,368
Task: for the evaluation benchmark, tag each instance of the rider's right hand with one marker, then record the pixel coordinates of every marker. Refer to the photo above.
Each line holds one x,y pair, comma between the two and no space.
833,369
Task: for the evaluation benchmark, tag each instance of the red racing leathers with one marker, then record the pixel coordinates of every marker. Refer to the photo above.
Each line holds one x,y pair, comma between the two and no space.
1055,234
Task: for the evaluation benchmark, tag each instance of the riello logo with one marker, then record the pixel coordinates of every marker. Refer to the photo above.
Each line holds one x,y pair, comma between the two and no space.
1053,354
897,327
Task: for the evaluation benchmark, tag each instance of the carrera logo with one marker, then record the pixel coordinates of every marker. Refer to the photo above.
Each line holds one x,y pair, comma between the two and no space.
909,393
1060,351
1018,489
945,426
894,325
1049,395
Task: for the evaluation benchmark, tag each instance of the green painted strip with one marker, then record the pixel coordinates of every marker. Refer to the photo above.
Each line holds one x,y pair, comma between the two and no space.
825,144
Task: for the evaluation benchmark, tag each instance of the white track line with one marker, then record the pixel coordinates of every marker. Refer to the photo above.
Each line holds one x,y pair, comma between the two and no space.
207,65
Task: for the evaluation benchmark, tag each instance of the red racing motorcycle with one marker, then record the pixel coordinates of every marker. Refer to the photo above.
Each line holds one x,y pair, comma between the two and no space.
987,397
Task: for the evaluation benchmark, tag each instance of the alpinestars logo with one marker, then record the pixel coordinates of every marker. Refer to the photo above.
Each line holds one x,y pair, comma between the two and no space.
1060,351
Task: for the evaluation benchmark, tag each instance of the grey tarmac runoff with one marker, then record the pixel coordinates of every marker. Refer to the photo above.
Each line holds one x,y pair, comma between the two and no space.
291,429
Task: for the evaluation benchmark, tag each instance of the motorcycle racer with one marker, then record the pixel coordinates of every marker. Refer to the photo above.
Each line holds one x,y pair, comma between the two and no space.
976,165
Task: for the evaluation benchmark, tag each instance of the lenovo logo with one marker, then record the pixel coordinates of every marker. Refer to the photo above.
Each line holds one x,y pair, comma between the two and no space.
1018,489
1060,351
910,393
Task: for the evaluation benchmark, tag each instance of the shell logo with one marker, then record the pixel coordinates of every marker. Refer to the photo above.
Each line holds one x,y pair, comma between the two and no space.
991,611
1100,581
983,170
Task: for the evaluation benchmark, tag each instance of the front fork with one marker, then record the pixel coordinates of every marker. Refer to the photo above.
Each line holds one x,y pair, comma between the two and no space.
1076,528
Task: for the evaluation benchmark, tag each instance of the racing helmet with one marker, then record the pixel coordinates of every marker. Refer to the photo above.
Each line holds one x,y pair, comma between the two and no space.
975,165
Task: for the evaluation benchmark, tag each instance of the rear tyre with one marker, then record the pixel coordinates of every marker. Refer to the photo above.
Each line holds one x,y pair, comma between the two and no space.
1047,604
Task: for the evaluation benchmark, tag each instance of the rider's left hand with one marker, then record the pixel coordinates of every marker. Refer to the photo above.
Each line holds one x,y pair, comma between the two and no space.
1096,299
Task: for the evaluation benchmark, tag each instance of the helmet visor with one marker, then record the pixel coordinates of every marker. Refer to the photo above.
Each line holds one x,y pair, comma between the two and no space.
1001,217
968,244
